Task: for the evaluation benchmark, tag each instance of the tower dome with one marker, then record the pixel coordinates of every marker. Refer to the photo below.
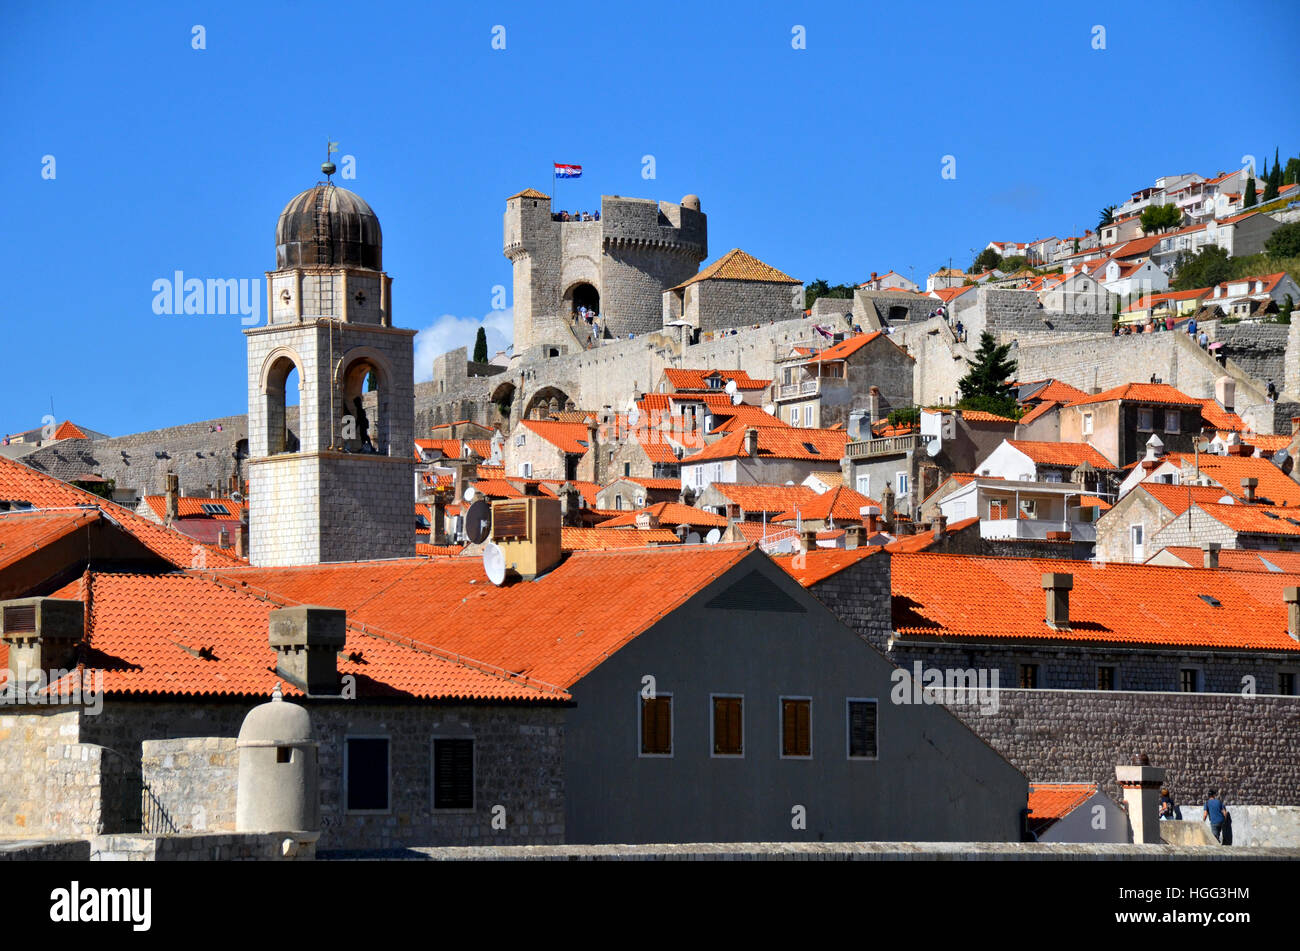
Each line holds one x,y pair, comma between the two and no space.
328,225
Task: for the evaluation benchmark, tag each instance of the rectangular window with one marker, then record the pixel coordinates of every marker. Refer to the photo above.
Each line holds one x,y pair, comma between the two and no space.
1028,678
657,725
526,470
999,508
365,770
902,483
864,484
453,773
794,416
1189,680
862,729
728,726
1145,423
807,415
1173,420
1105,678
796,727
1286,683
627,469
1136,533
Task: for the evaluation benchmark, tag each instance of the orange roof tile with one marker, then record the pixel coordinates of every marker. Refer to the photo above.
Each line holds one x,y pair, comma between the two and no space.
1241,559
785,442
188,506
22,533
1111,603
553,630
587,490
1060,391
758,532
529,193
1177,498
1220,418
1161,393
980,416
1061,453
602,538
497,489
808,568
567,437
845,348
1042,409
669,513
1050,802
841,504
699,380
437,550
736,265
1254,519
761,497
69,430
1275,487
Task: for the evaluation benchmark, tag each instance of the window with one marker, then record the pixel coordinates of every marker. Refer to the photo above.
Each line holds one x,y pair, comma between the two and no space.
519,439
794,416
214,508
618,503
453,773
728,726
1173,420
999,508
365,768
863,739
627,469
1286,683
902,483
796,727
1029,508
864,484
284,754
1105,678
1028,676
1145,419
1051,475
807,415
657,725
1136,533
1189,680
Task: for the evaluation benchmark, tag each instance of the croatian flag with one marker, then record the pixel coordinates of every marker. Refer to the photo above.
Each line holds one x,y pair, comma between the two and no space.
568,171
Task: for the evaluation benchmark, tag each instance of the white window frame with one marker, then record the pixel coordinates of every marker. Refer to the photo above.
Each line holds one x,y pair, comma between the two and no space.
1087,424
864,484
848,730
433,774
1150,426
672,726
744,722
780,724
346,792
807,415
1133,544
901,483
525,470
1176,417
794,416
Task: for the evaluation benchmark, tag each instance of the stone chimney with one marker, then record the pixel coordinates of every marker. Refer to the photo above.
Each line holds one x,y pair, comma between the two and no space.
1292,598
686,496
1248,486
873,404
940,525
870,520
1211,554
1140,784
307,640
1225,392
241,536
223,538
808,539
438,506
570,504
593,449
42,635
172,498
751,442
887,503
1057,585
855,536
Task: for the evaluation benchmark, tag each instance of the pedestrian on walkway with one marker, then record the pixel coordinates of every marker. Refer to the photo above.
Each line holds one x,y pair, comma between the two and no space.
1217,814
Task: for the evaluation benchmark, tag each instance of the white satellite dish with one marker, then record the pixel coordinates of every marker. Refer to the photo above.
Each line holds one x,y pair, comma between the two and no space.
736,398
1280,457
770,409
477,521
730,387
494,563
693,538
713,537
633,416
469,494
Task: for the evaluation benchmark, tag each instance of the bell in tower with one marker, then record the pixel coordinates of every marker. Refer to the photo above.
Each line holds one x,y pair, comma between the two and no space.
337,485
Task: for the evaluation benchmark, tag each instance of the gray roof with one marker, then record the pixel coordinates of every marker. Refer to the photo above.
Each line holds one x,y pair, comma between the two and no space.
348,234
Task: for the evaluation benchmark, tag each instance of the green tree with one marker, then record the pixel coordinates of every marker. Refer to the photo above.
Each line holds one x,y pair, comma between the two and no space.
986,260
820,288
1292,173
480,346
1284,242
1284,312
985,386
1250,200
1206,268
1107,216
1012,264
1273,180
1157,218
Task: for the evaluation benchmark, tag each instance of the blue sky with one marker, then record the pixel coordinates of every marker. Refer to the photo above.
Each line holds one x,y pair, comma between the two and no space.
823,161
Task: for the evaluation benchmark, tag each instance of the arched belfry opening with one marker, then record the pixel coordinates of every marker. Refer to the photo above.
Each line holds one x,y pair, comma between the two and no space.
581,296
364,412
283,388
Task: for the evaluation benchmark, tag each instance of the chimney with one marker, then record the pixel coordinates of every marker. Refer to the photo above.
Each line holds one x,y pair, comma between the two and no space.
438,530
1292,598
570,504
223,538
307,640
940,524
212,491
593,449
1140,784
686,496
1212,554
808,539
241,537
42,635
1248,486
1225,392
528,531
887,502
1057,587
751,442
855,425
873,404
172,496
855,536
870,520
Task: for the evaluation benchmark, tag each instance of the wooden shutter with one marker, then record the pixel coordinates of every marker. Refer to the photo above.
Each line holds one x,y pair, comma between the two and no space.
728,726
862,728
453,774
796,722
657,726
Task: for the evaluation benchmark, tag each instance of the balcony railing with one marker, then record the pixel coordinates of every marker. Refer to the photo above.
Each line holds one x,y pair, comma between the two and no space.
1035,528
884,446
804,388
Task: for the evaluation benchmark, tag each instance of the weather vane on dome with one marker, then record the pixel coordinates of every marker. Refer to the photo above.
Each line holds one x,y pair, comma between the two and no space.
327,166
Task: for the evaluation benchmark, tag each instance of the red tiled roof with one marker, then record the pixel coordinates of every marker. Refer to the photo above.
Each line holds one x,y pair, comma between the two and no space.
737,265
668,513
497,489
1254,519
1051,802
765,498
602,538
1061,453
760,531
698,380
438,550
808,568
1111,603
1042,409
22,533
1060,391
1274,487
567,437
846,347
1215,415
192,507
1177,498
841,504
1161,393
784,442
1241,559
553,630
69,430
980,416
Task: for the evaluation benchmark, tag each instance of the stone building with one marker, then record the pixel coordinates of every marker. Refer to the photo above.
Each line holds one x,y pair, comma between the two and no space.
821,389
617,264
737,290
1119,422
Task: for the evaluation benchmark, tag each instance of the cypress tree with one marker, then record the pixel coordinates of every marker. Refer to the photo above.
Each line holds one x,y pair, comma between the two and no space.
480,347
1250,200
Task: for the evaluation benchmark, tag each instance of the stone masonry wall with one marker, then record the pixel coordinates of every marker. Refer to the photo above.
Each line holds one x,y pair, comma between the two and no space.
191,784
1242,746
1259,349
746,303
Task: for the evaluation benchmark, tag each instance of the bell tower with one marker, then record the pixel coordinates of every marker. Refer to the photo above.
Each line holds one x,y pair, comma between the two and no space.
338,486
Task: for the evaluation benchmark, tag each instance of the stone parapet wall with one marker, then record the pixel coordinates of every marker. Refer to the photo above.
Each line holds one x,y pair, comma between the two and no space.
190,784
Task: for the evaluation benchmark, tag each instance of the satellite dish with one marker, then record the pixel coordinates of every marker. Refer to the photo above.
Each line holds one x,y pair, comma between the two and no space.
713,537
633,416
478,520
693,538
1280,457
469,493
494,563
736,398
730,387
770,409
239,496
